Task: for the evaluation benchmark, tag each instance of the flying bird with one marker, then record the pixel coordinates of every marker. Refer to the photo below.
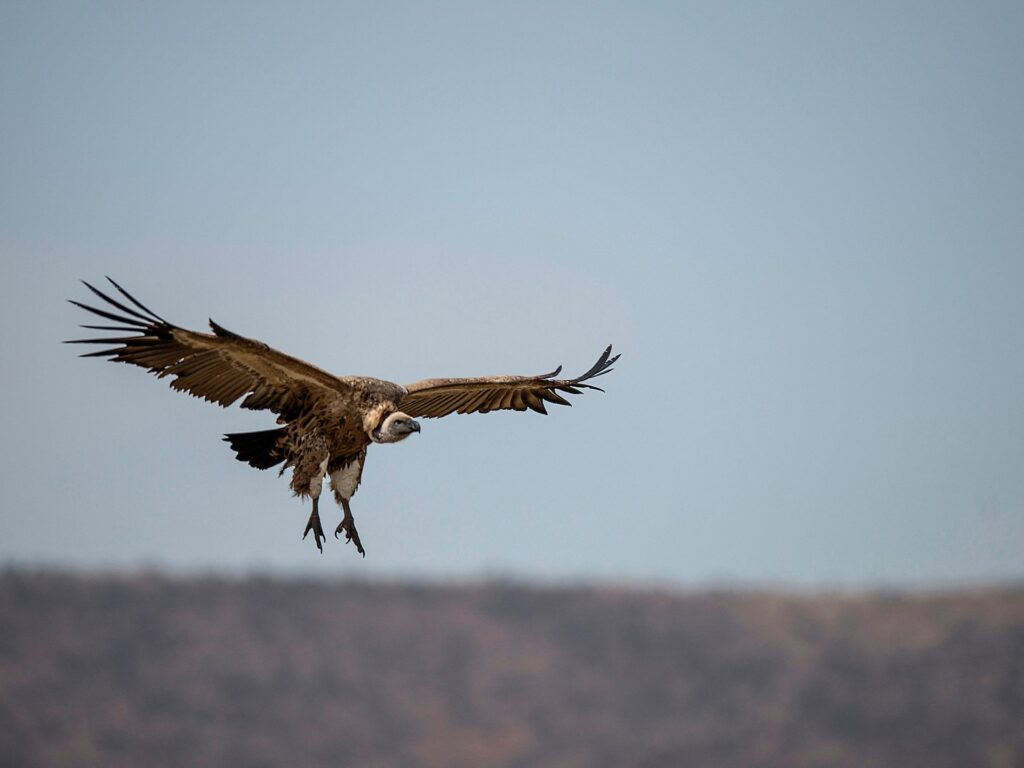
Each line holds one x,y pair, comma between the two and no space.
326,422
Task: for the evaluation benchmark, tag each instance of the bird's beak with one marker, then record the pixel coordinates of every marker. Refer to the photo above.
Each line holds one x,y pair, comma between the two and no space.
414,426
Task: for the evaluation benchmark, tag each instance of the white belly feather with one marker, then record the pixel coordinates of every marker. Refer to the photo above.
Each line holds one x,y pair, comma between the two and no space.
344,481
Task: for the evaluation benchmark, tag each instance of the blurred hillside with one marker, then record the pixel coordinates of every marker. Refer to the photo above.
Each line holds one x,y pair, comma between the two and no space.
158,671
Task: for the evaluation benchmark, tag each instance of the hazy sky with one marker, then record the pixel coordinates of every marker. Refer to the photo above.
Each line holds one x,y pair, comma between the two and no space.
801,223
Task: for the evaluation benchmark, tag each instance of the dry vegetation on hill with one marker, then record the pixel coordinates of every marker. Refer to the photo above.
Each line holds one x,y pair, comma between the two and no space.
149,670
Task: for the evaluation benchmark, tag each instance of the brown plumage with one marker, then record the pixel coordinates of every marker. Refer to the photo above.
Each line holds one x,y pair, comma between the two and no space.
327,421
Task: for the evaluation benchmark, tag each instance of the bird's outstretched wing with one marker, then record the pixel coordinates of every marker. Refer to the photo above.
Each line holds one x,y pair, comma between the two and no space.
432,398
220,367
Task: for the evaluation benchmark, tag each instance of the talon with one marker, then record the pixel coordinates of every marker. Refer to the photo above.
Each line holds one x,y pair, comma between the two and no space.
317,535
353,536
317,529
348,525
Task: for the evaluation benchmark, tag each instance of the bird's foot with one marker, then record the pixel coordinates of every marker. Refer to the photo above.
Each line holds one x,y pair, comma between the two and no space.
348,525
318,530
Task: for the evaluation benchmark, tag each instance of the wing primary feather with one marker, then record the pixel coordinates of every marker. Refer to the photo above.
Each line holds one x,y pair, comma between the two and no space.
109,315
603,371
221,331
108,340
602,362
533,402
123,328
115,303
103,353
551,375
553,397
135,301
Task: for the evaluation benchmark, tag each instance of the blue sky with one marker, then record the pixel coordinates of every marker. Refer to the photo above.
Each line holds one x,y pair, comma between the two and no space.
801,223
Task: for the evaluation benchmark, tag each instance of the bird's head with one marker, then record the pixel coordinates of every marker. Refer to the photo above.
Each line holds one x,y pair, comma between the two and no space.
396,426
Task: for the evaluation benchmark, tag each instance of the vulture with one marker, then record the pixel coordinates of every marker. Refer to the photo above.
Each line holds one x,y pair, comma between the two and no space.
325,422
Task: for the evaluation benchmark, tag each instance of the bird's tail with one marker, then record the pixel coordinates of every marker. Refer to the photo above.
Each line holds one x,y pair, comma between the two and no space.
259,449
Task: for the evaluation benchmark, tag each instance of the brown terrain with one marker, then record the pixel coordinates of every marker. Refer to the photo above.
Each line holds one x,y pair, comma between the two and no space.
167,671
